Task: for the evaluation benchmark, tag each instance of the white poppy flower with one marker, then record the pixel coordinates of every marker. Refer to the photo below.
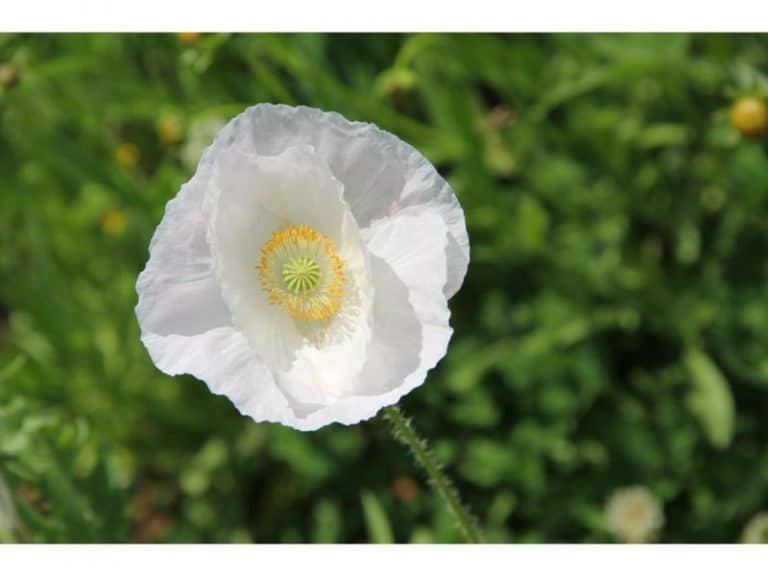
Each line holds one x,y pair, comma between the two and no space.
304,270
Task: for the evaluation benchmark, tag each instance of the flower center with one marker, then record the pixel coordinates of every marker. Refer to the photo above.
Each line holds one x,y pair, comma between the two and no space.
301,272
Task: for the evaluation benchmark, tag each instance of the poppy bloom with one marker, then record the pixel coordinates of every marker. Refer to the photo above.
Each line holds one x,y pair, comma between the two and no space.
304,270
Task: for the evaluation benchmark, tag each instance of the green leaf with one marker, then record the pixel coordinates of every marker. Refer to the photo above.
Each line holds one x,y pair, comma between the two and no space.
379,530
7,513
327,522
710,400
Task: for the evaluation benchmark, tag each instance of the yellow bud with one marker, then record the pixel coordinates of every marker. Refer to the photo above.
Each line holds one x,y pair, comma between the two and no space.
749,115
169,129
188,37
127,155
113,223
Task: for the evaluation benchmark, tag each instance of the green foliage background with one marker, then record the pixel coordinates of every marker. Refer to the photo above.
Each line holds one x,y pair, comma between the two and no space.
612,329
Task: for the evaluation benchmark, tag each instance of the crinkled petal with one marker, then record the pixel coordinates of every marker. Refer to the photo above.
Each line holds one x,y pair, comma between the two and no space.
252,197
410,318
414,244
224,360
185,324
382,175
179,275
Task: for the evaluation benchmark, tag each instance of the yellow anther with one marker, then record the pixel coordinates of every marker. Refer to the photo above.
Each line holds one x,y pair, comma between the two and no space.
301,272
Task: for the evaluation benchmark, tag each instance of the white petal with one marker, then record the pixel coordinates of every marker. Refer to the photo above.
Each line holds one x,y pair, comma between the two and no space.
414,244
382,175
253,197
224,360
179,277
410,318
185,324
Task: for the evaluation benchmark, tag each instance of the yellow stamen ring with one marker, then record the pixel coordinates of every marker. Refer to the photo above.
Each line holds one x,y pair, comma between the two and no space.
301,272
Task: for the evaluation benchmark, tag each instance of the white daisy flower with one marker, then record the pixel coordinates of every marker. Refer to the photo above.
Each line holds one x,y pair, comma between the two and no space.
634,515
304,270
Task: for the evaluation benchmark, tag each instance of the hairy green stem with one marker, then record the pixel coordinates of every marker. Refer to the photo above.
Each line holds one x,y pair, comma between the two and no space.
403,431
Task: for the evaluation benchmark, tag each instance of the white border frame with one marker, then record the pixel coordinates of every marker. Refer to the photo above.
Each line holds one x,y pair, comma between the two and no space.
385,16
375,560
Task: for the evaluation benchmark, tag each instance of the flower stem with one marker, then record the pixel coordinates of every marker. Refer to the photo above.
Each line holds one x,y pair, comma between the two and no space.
403,431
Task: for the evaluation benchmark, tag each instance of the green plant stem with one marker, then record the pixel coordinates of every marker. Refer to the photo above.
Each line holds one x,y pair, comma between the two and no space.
403,431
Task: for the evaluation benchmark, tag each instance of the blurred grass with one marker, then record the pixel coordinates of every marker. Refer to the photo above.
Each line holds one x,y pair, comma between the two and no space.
612,329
